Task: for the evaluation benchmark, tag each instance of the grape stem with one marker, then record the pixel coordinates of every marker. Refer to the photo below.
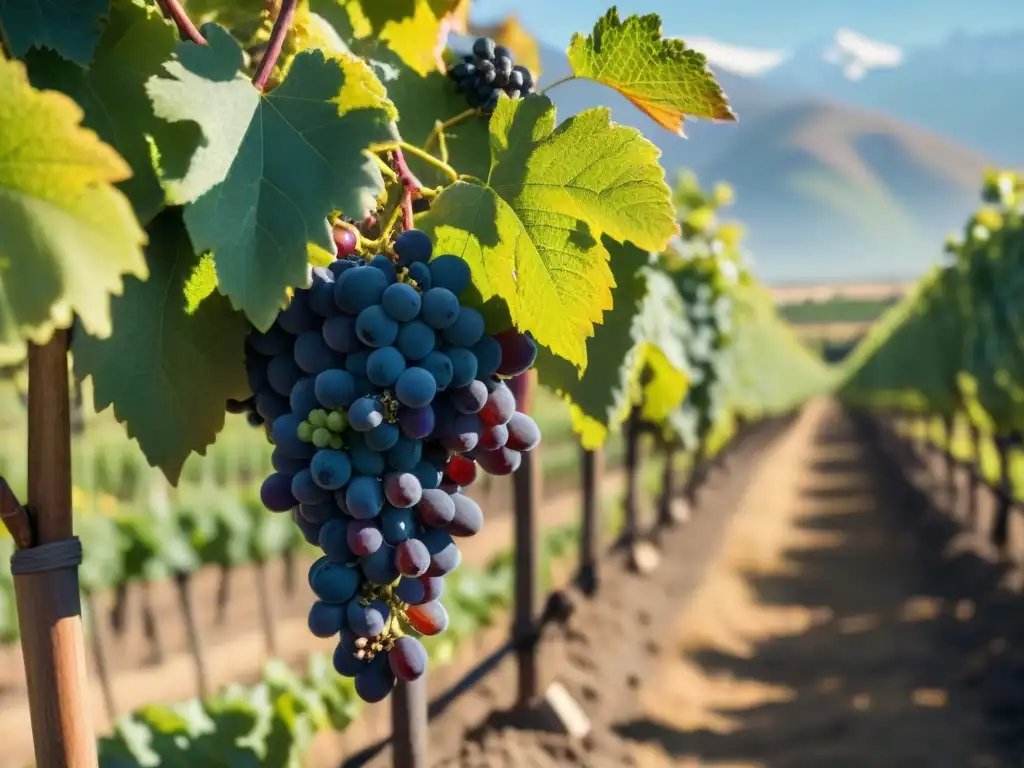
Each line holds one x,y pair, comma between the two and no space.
547,88
440,126
386,170
282,24
426,157
173,10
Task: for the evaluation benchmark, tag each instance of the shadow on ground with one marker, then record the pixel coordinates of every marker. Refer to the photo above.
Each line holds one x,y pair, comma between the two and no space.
915,658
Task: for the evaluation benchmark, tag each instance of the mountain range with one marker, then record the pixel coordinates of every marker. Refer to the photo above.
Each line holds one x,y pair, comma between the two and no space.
852,159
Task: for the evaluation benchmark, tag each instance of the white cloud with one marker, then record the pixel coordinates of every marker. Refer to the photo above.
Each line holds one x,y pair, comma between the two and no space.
748,62
857,54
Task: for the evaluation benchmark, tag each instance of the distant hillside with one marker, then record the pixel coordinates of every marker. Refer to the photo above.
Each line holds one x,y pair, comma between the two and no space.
828,191
835,193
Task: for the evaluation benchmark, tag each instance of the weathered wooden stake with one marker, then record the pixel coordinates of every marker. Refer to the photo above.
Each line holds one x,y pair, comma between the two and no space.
266,608
631,500
409,724
526,494
183,585
668,487
948,425
1000,533
591,469
46,573
974,479
99,655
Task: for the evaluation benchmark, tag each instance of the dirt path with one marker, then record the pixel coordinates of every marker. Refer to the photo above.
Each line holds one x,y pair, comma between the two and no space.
833,632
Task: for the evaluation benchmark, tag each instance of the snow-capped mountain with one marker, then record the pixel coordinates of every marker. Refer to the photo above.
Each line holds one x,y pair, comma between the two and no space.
960,88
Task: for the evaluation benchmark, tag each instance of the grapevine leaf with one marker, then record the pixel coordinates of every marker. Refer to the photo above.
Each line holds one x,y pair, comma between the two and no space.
135,44
532,233
662,325
274,165
664,388
599,398
414,29
662,77
185,344
69,27
68,235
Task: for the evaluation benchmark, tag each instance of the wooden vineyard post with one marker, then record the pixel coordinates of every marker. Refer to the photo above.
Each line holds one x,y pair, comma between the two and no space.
948,424
974,479
409,724
1004,492
526,494
668,486
632,514
45,569
591,469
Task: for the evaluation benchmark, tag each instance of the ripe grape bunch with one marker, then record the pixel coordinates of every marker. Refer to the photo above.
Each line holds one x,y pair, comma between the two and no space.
383,396
489,71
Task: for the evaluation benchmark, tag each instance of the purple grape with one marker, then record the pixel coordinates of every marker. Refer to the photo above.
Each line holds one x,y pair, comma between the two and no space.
276,493
402,489
468,520
412,558
523,433
518,352
408,658
436,508
363,537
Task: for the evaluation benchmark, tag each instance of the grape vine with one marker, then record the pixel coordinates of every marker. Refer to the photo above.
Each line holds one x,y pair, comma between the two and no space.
292,214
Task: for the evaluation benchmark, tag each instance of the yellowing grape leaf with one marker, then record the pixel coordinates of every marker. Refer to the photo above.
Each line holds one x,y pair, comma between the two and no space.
67,236
273,166
69,27
664,385
136,43
599,399
532,232
510,33
176,355
661,76
415,30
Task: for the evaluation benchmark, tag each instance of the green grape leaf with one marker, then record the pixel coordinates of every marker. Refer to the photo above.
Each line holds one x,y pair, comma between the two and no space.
274,166
69,236
69,27
185,344
532,232
662,77
664,330
136,42
599,399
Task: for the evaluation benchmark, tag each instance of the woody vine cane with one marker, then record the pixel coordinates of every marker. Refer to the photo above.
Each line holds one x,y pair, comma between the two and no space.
45,569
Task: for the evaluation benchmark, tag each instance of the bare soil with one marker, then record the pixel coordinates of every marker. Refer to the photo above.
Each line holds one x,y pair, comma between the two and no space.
821,610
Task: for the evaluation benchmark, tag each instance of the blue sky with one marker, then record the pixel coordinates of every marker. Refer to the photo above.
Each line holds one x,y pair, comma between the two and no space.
770,23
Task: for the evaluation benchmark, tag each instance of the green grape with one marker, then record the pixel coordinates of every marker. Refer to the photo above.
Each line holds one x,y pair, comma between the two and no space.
337,421
336,442
322,437
305,432
318,418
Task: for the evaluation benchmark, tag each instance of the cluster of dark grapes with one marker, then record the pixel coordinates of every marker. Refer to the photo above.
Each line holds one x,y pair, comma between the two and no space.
345,240
488,71
383,395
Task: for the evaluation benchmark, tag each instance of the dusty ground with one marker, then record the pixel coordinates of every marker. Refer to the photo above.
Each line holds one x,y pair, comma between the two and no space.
795,294
843,621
